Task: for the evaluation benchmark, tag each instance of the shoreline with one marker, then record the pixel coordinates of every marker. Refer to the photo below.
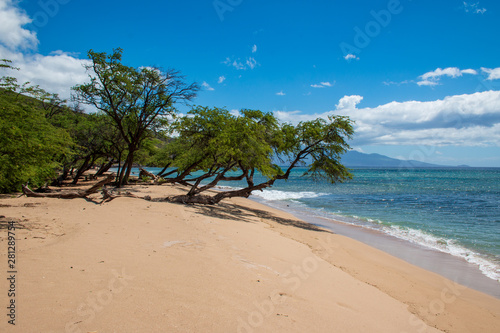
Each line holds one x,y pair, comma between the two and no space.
447,265
135,265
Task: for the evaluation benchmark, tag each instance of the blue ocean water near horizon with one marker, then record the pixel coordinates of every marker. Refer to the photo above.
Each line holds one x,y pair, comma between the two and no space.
451,210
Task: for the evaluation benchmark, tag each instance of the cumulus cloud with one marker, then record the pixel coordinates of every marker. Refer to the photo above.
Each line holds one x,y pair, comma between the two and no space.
281,93
349,102
12,33
493,74
464,120
254,48
221,79
432,78
56,72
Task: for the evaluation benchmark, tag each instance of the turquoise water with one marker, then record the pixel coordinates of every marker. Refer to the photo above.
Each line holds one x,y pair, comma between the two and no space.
456,211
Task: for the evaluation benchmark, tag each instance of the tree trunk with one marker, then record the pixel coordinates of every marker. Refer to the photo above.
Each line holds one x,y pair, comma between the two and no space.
215,199
185,173
104,168
62,177
81,170
118,172
160,174
130,163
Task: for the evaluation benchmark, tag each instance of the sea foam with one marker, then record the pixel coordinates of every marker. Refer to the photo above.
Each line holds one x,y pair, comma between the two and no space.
487,267
275,195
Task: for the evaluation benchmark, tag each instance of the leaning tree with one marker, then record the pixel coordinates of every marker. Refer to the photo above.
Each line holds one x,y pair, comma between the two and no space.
212,145
138,100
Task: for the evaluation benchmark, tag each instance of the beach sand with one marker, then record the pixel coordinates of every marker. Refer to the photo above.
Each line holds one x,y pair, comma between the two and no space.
132,265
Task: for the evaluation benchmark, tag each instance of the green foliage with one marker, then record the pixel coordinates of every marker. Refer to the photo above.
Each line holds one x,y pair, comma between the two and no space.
30,147
40,134
137,100
8,83
325,142
214,141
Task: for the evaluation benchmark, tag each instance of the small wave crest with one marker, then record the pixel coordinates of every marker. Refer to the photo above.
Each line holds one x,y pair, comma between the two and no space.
487,267
276,195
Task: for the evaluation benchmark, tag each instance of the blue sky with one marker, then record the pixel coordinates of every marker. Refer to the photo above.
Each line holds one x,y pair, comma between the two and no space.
420,78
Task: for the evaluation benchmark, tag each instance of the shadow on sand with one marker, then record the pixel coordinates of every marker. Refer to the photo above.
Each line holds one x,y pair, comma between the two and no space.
241,213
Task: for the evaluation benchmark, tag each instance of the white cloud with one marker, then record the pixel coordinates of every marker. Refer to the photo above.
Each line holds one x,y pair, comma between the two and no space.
351,56
235,112
493,74
427,83
432,78
207,86
469,71
390,83
292,116
474,8
12,33
56,72
235,63
250,63
281,93
349,102
323,85
221,79
462,120
254,48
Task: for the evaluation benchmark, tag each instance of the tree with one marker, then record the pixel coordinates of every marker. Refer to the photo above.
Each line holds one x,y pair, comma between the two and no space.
214,142
8,83
30,147
50,102
137,100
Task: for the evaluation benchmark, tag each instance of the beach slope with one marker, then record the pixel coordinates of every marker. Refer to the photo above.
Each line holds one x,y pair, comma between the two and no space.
132,265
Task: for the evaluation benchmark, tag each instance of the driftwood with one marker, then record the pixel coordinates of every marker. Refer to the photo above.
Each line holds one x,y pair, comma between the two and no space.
145,173
70,194
107,196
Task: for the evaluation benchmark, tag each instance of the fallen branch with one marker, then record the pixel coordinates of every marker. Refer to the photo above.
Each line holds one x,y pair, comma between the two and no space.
108,196
70,194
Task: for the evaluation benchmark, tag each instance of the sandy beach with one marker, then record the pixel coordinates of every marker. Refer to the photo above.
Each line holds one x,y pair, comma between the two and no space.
132,265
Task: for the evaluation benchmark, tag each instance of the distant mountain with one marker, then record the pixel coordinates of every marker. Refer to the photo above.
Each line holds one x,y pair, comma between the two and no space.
356,159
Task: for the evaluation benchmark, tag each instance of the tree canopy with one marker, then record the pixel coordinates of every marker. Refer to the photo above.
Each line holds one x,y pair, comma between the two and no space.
137,100
215,142
135,122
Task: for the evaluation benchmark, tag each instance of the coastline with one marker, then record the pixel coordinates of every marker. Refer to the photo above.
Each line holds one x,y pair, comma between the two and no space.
444,264
133,265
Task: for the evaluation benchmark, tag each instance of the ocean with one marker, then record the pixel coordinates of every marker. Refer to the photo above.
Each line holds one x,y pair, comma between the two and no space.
451,210
456,211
